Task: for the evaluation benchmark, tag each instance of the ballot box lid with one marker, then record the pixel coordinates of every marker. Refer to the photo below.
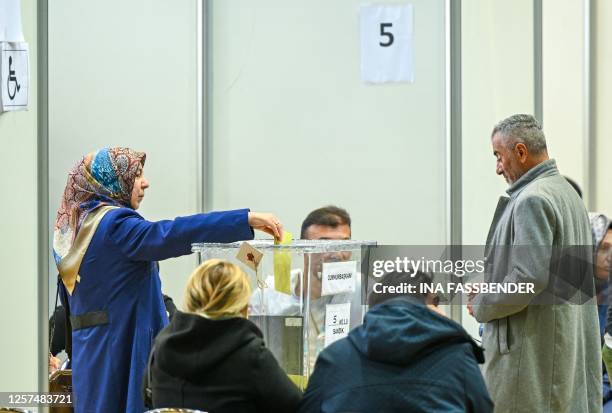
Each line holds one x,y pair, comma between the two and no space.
298,245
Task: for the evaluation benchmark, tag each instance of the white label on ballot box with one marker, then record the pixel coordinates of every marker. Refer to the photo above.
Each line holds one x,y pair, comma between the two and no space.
338,277
337,322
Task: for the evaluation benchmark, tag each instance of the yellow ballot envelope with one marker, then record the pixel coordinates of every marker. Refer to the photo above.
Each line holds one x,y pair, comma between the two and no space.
282,266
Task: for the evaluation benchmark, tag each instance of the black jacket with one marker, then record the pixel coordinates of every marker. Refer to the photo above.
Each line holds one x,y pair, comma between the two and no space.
57,330
404,358
221,366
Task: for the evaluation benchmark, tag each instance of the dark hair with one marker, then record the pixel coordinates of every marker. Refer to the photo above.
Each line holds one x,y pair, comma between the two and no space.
397,279
574,185
328,216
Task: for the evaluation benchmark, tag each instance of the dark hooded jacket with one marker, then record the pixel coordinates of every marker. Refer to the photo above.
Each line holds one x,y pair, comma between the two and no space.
404,358
220,366
600,224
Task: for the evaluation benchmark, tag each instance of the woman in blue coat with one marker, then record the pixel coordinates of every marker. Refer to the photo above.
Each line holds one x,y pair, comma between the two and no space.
107,256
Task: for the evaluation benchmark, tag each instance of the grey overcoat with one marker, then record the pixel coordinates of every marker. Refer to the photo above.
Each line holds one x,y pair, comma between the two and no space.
540,357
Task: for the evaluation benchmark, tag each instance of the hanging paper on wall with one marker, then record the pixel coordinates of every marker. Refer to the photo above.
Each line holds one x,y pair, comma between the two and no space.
10,21
387,53
14,59
14,76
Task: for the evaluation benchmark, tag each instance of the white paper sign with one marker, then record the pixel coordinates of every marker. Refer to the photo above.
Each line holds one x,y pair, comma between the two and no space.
338,277
10,21
14,76
337,322
387,44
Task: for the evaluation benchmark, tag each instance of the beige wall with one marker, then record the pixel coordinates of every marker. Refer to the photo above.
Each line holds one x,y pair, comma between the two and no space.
19,232
294,127
563,44
497,70
125,74
603,107
564,93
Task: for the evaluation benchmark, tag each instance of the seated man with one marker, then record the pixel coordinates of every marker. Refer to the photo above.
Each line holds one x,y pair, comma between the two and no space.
326,223
406,357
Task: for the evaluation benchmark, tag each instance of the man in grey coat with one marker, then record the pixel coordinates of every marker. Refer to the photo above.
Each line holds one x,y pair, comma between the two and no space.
542,350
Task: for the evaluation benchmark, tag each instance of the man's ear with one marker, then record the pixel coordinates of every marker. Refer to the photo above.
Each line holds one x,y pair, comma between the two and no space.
521,152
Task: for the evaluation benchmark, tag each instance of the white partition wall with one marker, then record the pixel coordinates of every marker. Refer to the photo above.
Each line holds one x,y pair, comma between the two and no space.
603,102
19,230
293,128
289,124
565,91
125,74
497,81
497,70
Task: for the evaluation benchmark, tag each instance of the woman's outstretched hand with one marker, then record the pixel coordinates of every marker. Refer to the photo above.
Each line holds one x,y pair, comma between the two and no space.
266,222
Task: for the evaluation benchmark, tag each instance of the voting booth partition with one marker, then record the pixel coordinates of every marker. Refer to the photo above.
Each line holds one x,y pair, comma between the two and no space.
306,294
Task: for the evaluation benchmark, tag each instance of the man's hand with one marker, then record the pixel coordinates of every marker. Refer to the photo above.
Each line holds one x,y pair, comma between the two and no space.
267,223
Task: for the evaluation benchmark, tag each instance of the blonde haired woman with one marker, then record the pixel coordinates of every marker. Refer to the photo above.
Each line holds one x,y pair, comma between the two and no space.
211,357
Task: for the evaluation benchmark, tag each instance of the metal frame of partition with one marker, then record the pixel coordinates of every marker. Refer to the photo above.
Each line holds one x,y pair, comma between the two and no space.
204,81
42,59
454,166
200,107
589,158
538,79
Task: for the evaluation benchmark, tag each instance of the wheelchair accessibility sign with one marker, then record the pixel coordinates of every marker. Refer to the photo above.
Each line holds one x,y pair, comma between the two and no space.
14,76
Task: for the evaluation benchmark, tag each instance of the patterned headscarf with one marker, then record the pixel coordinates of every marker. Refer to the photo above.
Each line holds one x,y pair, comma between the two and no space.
105,177
599,227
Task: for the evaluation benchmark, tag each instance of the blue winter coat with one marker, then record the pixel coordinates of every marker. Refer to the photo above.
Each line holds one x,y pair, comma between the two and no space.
404,358
119,283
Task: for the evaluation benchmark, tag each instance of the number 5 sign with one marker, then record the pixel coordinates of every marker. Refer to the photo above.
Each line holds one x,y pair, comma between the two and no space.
386,44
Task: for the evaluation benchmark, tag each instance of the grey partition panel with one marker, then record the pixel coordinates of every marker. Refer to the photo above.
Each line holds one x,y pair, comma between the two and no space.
566,98
19,306
125,74
498,81
293,127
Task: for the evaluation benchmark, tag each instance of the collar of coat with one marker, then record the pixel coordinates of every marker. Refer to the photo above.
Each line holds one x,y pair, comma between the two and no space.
541,170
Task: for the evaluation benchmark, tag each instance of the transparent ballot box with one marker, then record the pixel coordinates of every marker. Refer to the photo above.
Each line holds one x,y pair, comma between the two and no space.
306,294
